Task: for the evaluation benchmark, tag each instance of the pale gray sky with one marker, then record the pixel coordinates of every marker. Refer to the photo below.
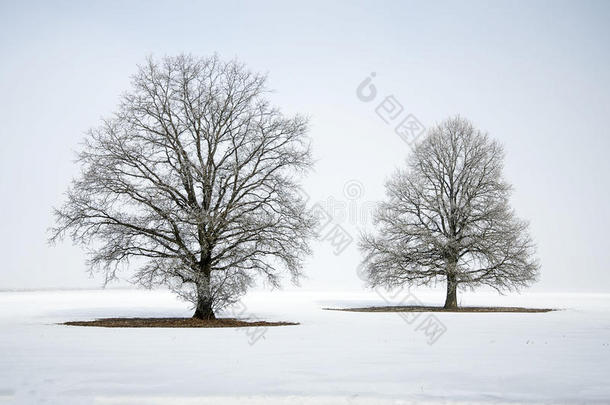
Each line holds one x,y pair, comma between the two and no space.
535,75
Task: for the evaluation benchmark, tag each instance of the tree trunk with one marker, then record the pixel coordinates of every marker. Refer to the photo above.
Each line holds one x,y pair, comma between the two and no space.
451,299
204,308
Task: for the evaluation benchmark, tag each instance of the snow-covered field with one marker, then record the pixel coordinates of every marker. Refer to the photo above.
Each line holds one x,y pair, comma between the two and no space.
332,357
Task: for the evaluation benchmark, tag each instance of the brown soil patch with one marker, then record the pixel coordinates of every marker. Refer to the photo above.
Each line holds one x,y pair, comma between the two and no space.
174,323
441,309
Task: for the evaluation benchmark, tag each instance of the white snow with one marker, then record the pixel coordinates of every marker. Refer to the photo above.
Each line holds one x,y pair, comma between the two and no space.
331,358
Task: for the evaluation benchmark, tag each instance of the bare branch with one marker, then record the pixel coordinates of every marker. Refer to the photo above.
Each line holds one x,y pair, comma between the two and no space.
197,176
447,216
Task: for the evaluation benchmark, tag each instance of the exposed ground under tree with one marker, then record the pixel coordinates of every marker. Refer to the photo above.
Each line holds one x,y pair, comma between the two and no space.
174,323
418,308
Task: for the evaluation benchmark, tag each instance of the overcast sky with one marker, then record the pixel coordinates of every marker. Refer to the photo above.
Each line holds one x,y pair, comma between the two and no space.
534,75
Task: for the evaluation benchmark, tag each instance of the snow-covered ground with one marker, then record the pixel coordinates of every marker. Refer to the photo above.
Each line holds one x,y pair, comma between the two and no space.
332,357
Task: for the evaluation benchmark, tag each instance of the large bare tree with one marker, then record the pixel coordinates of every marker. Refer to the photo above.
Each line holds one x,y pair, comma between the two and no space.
447,217
195,181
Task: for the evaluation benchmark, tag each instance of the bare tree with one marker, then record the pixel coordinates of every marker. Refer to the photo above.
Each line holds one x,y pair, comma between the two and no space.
447,217
195,180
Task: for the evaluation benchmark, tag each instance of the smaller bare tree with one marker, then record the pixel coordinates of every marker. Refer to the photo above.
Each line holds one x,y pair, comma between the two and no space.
196,181
447,217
